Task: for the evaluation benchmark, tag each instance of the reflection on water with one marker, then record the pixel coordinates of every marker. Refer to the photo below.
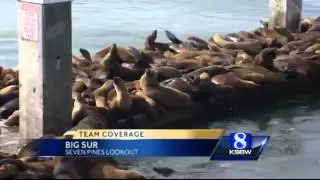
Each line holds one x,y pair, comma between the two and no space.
293,124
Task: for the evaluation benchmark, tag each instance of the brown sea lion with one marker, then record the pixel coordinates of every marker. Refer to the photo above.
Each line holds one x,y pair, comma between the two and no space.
114,68
101,101
167,96
213,46
128,104
179,84
8,108
78,86
151,44
184,66
211,70
294,63
13,119
14,81
258,78
91,83
8,93
232,81
305,25
78,110
96,168
80,62
125,54
265,42
273,38
141,58
243,57
166,72
250,46
104,89
123,101
284,32
313,48
191,43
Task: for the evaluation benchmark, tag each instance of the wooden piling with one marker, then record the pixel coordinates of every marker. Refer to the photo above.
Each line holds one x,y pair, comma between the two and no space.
285,13
45,73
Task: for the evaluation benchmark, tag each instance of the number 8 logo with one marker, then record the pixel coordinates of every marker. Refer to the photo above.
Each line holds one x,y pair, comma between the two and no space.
240,142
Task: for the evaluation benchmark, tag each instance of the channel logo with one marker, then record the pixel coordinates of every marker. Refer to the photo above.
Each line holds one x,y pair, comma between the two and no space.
240,146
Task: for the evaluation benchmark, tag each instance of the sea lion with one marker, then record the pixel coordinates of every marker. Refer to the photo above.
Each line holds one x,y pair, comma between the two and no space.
8,93
91,84
191,43
78,86
78,110
211,70
250,46
184,66
166,72
151,44
179,84
8,108
204,89
123,101
80,62
213,46
265,42
284,32
231,80
303,68
140,59
243,57
128,104
124,53
167,96
313,48
149,41
94,118
257,77
13,119
114,68
14,81
104,89
96,168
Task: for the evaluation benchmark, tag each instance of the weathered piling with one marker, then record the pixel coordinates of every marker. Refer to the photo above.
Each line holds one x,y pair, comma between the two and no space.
285,13
44,67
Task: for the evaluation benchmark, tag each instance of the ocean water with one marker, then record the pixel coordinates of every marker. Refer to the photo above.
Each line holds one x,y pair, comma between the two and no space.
293,151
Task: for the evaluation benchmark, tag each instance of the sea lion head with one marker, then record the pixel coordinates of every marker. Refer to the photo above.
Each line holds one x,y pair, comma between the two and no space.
149,42
151,74
149,78
118,82
305,25
112,60
86,54
204,75
265,58
243,58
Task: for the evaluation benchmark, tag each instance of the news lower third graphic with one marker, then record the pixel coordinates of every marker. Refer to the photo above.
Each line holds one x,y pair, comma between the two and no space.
156,143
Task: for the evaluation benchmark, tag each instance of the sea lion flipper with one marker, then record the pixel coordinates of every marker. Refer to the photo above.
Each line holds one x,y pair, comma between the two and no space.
86,54
172,37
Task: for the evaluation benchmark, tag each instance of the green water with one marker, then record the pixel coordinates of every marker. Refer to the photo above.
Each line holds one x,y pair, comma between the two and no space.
293,124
